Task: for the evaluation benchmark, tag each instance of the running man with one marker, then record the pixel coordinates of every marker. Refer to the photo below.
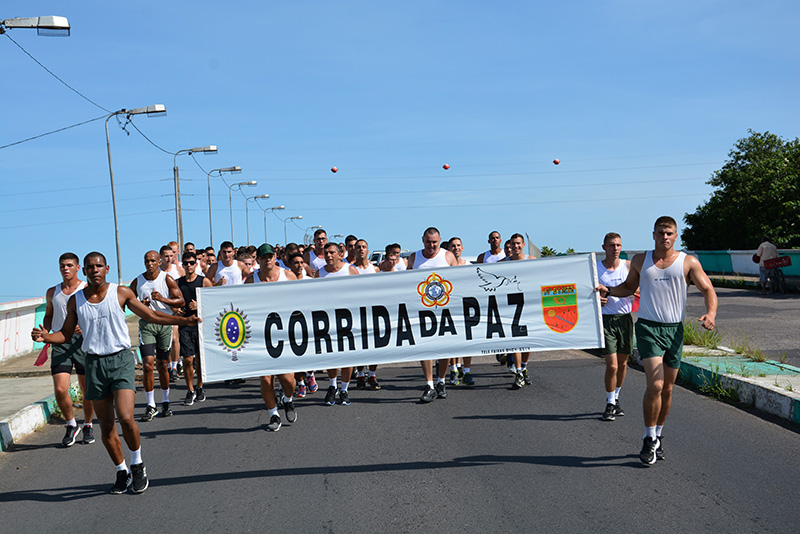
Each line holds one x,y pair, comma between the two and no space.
364,266
662,276
188,336
393,261
315,257
516,252
157,290
495,253
334,266
459,373
269,272
617,323
99,310
63,357
228,270
431,256
168,265
350,246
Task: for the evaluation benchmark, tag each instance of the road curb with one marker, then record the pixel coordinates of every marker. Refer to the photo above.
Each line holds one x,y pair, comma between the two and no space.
764,397
26,420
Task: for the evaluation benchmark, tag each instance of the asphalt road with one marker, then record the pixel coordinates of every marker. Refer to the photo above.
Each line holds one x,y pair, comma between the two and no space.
768,322
487,459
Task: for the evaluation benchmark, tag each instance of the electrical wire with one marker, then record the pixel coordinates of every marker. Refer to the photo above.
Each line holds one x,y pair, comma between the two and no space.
50,133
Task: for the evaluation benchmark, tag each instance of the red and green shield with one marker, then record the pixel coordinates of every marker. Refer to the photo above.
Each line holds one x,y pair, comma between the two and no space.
560,307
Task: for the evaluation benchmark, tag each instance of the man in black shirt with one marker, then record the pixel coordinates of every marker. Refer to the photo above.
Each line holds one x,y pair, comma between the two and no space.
188,335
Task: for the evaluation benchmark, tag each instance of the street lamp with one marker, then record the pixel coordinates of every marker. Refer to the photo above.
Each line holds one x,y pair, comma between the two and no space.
210,149
306,238
238,187
247,212
285,240
337,235
152,111
232,170
51,26
265,219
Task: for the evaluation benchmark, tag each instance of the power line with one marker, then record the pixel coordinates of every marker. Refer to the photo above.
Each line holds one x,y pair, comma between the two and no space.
62,222
148,139
49,133
57,78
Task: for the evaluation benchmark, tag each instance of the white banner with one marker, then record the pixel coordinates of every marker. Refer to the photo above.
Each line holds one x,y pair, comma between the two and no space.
470,310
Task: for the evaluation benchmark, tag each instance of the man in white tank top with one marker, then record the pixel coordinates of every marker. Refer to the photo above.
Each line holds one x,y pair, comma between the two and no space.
617,324
228,270
159,291
364,266
459,372
110,365
393,260
63,357
335,266
662,276
431,256
270,272
495,253
315,257
169,265
515,251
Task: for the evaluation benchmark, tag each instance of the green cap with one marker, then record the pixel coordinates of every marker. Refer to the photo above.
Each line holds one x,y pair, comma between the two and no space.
264,249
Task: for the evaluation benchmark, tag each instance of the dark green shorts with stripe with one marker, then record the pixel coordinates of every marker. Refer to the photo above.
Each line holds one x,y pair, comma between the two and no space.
107,374
618,334
654,339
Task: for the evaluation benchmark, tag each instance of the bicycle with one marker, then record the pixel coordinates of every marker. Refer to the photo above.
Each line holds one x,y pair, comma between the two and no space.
776,279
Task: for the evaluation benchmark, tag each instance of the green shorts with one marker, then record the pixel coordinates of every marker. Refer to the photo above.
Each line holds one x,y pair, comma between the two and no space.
158,335
66,355
107,374
655,339
618,333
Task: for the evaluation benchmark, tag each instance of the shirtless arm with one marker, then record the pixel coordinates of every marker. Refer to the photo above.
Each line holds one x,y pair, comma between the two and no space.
411,260
47,322
695,273
353,270
212,272
451,259
176,297
631,283
127,298
480,257
70,323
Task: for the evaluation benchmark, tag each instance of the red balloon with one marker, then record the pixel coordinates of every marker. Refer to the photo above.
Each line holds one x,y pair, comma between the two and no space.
446,166
334,169
556,161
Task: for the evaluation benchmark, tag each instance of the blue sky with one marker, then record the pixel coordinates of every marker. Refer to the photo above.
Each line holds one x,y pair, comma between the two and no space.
641,102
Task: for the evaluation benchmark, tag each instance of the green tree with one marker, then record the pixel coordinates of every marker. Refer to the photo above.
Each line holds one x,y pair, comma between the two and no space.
757,193
547,251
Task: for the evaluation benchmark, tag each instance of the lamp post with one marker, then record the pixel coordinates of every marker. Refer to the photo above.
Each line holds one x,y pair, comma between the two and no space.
265,219
285,240
157,109
247,212
52,26
232,170
210,149
238,187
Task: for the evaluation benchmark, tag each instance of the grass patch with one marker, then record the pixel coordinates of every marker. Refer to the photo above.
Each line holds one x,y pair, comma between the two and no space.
700,337
743,346
714,388
783,358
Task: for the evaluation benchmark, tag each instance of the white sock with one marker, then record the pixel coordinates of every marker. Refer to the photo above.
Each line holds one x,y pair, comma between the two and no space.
272,411
659,430
610,397
89,424
466,369
345,385
122,466
650,432
616,394
360,374
287,399
151,398
429,383
136,456
371,374
440,380
165,395
72,422
523,365
301,383
454,368
333,382
173,365
513,368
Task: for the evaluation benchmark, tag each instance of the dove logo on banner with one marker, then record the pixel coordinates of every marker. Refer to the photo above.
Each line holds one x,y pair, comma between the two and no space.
408,316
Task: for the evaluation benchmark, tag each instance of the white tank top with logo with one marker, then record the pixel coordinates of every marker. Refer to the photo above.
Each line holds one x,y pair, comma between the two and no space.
439,260
344,271
232,274
103,324
663,291
145,287
488,257
60,300
609,278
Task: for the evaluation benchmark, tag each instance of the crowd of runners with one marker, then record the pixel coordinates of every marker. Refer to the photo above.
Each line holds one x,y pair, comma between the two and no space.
85,323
